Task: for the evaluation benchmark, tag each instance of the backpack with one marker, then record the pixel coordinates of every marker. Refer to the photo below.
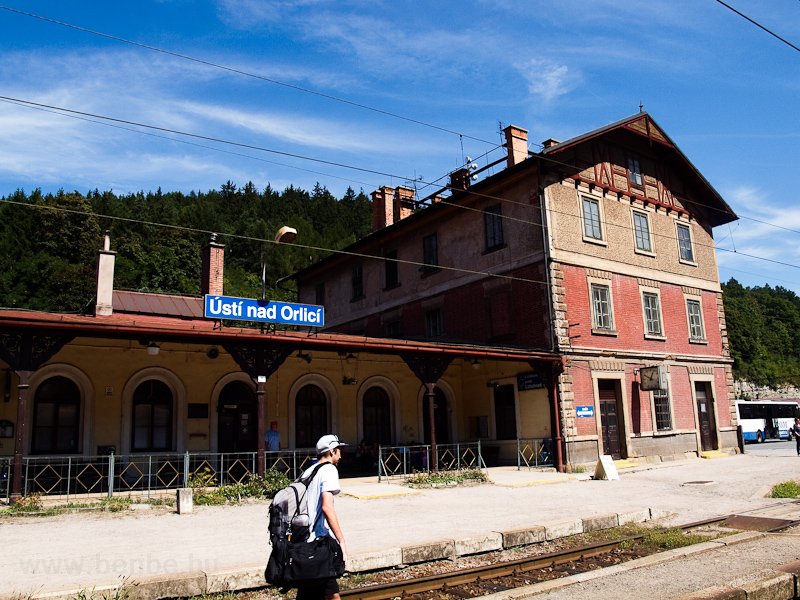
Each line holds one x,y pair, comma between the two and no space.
289,523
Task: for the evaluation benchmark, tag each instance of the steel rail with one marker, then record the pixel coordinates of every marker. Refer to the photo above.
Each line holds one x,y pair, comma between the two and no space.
442,581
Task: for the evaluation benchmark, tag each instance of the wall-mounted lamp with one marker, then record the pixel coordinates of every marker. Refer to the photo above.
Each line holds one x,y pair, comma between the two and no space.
153,349
349,380
7,386
306,356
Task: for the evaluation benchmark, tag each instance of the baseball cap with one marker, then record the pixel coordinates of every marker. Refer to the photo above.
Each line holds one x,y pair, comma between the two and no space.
328,442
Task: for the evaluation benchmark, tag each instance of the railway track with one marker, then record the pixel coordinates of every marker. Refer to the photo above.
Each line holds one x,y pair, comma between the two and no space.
501,576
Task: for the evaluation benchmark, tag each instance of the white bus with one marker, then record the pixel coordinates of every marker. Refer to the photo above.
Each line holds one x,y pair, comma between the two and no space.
765,420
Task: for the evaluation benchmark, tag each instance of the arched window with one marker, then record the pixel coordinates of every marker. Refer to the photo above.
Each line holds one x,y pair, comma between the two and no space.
311,416
152,417
377,417
56,417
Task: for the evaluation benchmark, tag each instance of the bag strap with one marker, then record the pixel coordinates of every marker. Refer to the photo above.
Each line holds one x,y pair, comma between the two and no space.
306,482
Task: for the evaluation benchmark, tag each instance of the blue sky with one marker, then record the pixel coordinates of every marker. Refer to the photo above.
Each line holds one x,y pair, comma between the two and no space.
724,90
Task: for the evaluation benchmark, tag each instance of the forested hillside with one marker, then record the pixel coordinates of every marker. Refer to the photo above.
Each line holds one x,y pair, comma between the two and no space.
49,245
764,331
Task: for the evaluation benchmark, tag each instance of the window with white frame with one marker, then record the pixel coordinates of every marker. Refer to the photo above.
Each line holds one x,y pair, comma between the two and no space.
592,227
694,313
685,243
634,171
641,230
652,314
662,410
602,315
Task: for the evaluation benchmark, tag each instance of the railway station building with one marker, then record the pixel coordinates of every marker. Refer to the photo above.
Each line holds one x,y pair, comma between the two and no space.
568,301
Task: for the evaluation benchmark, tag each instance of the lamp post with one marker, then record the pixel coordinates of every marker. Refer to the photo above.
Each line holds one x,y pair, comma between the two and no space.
284,235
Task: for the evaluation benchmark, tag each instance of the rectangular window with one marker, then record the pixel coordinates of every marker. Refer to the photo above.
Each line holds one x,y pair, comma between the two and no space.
685,243
430,253
602,317
635,172
393,329
652,314
357,281
591,219
641,229
319,294
662,410
493,227
391,272
433,323
695,314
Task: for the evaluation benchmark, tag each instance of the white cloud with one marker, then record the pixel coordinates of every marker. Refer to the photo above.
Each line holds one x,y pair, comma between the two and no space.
548,80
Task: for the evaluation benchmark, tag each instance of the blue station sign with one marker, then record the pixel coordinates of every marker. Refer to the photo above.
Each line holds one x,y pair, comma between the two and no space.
264,311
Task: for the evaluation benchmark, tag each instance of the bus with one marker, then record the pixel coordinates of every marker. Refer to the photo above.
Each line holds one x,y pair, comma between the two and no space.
765,420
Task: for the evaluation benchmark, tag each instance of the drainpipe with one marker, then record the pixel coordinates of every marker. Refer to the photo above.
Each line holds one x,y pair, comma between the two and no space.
557,439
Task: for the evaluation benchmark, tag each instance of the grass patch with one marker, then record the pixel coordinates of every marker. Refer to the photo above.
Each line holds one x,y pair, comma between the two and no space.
443,478
204,492
787,489
658,539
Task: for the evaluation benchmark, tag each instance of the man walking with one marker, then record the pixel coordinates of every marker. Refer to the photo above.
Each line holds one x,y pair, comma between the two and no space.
794,431
320,509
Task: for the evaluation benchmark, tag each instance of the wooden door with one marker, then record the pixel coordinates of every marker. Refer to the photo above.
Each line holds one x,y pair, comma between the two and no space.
610,422
705,416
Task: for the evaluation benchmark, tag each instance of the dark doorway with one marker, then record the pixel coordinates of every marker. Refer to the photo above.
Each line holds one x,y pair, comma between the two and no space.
377,417
238,427
610,421
505,412
439,416
705,416
311,416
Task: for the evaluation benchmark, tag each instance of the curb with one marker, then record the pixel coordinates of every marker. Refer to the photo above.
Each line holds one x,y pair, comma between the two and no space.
198,583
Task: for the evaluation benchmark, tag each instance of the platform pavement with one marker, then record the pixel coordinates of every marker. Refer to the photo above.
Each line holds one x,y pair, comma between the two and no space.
386,524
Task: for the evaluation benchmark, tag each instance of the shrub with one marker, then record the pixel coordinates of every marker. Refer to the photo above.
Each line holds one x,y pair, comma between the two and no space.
787,489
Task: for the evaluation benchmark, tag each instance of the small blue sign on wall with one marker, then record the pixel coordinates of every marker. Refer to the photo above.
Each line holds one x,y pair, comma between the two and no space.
584,411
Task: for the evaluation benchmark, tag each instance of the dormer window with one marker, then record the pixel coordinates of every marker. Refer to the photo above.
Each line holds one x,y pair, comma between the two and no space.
635,172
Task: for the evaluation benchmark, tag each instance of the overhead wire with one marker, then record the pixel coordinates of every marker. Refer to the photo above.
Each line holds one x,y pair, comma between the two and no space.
269,241
242,72
759,25
67,112
188,143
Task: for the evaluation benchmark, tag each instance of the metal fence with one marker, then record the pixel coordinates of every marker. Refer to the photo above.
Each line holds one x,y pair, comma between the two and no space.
109,475
398,461
5,478
534,452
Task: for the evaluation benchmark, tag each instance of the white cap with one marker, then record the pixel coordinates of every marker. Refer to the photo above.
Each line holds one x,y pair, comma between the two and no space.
328,442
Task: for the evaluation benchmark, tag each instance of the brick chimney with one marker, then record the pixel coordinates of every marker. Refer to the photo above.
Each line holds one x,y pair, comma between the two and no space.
405,203
213,268
516,144
382,208
549,143
105,279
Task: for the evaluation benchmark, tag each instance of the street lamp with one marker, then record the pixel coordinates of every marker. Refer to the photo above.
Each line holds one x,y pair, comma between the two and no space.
285,235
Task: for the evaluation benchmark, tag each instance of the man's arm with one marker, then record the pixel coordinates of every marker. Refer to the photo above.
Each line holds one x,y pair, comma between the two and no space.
333,521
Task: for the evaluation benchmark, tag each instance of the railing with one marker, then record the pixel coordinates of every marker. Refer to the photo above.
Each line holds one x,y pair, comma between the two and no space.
534,452
5,478
398,461
144,473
